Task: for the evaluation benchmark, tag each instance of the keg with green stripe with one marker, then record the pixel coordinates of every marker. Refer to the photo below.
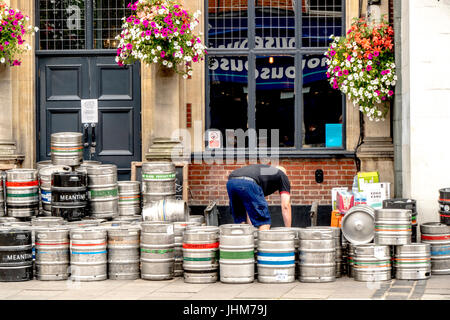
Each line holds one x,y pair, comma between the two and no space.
88,254
237,255
409,204
45,185
412,261
66,148
276,256
372,262
297,245
158,181
157,250
393,226
437,235
201,254
317,255
123,252
350,257
52,253
179,227
103,191
129,198
22,193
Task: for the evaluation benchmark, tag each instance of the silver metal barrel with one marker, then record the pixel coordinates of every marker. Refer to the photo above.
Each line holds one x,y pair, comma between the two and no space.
45,185
237,254
201,254
158,181
66,148
88,254
337,235
372,263
47,221
178,230
317,255
297,245
52,253
103,191
350,257
157,250
22,193
42,164
412,261
123,253
358,224
85,223
437,235
276,256
16,262
197,218
131,219
166,210
129,198
2,193
393,226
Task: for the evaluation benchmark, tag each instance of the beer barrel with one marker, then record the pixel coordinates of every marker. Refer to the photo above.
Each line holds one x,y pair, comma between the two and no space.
371,263
129,198
16,262
339,250
166,210
103,191
69,195
296,244
237,256
437,235
85,223
276,256
444,205
412,261
45,185
2,193
350,257
408,204
52,253
392,226
47,221
123,253
134,219
201,254
178,231
358,224
88,254
157,250
158,181
197,218
66,148
42,164
22,193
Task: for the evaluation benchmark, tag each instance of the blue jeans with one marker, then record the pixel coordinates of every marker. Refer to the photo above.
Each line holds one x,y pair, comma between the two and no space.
248,196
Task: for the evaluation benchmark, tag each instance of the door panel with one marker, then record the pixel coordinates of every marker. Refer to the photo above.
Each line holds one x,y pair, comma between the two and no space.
116,127
115,83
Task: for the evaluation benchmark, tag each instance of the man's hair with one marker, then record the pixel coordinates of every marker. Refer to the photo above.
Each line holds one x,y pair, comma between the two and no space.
282,169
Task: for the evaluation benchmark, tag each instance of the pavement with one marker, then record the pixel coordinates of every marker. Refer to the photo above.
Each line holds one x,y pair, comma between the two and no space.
344,288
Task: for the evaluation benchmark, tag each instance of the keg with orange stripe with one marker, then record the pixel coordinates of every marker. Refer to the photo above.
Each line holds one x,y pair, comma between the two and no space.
437,235
371,263
412,261
22,193
88,254
392,226
129,198
66,148
201,254
123,252
52,253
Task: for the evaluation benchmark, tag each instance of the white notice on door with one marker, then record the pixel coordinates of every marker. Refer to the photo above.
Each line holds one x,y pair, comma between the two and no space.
89,111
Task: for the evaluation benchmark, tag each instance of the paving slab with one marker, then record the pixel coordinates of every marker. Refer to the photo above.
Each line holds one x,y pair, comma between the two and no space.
265,290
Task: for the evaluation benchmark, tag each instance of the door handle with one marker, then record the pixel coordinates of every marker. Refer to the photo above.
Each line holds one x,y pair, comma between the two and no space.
86,135
93,143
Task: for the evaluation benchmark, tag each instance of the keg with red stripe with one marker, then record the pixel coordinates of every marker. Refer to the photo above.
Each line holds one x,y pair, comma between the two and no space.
88,254
157,250
66,148
22,193
372,263
129,198
201,254
437,235
45,186
179,227
412,261
444,205
392,226
52,253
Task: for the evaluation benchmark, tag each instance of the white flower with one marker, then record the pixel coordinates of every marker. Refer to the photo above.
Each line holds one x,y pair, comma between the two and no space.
351,84
190,72
159,48
160,11
354,54
170,64
176,34
165,62
355,69
393,83
185,76
354,44
2,60
334,62
155,59
350,77
388,82
333,45
369,63
36,29
352,60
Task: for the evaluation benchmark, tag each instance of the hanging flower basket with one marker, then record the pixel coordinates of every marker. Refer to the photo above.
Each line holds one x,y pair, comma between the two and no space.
162,32
362,66
13,28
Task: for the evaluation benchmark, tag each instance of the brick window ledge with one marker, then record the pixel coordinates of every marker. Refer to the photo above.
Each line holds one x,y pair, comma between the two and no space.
294,154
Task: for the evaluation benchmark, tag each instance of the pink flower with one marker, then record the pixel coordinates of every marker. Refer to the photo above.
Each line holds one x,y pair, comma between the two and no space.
20,41
145,23
148,32
339,73
11,12
376,53
337,68
370,56
377,92
383,98
332,52
16,63
163,54
137,21
195,59
134,7
345,72
328,74
349,58
129,46
369,68
130,19
6,43
15,23
390,93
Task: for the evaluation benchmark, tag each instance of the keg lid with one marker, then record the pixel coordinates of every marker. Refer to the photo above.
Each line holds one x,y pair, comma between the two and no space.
434,228
358,224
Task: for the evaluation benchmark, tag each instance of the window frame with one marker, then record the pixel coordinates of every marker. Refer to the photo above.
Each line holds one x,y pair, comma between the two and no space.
251,53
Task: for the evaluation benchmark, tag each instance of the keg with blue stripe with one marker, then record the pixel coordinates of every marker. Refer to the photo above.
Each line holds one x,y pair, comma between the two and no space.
317,255
237,256
276,256
88,254
297,245
45,186
437,235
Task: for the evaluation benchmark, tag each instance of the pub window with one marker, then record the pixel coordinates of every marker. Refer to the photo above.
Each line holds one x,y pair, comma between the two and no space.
266,70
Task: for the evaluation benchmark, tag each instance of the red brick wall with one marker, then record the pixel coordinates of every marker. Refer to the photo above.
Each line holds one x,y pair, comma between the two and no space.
208,182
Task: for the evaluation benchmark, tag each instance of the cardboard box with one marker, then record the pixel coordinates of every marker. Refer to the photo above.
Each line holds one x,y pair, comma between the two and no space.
345,200
360,198
365,178
334,192
376,193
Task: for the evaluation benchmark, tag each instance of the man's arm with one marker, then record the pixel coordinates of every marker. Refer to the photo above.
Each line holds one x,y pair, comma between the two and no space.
286,208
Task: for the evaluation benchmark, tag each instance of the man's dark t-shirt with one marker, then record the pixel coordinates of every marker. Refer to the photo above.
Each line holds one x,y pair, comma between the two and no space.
269,178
